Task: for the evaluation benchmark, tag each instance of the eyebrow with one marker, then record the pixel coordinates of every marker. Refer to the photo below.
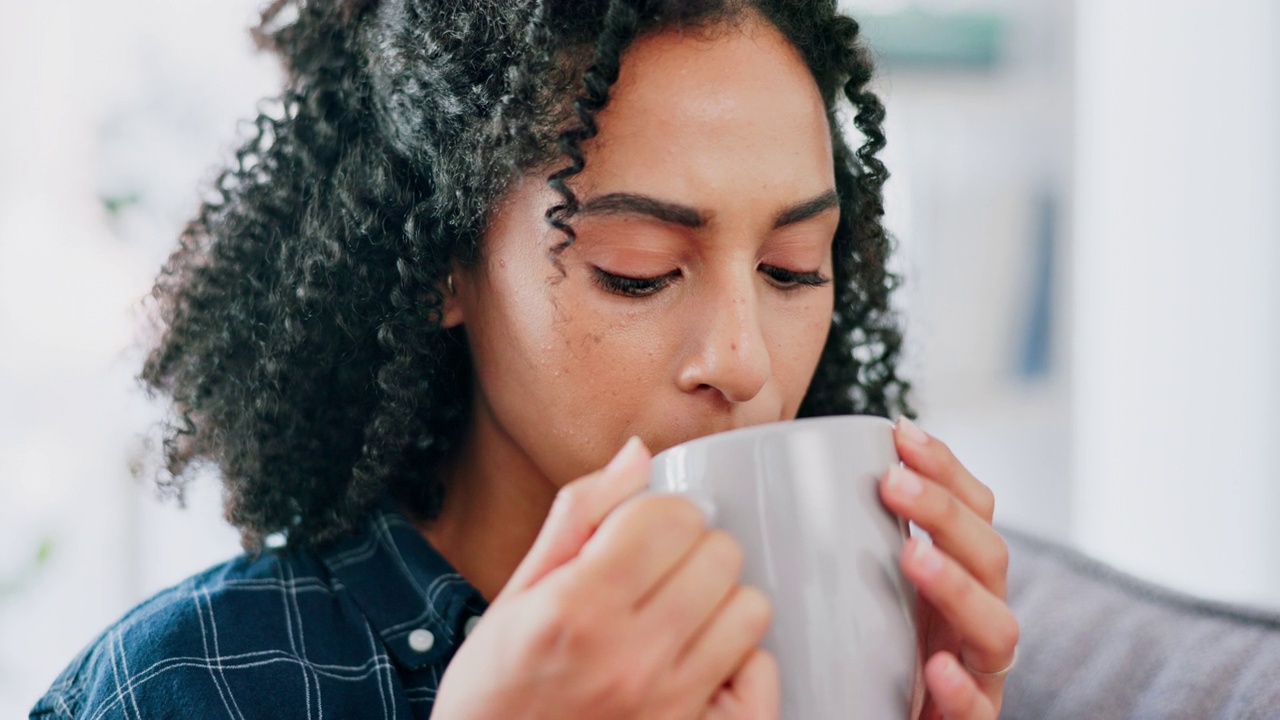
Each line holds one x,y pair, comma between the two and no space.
807,209
691,217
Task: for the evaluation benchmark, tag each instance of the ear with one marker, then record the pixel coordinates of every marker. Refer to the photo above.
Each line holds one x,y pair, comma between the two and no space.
452,313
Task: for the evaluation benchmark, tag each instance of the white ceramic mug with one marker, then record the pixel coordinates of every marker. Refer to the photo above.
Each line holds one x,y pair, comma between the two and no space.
801,499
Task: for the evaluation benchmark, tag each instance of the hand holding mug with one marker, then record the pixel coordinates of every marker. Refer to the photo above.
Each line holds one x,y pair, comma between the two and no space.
968,635
623,608
801,498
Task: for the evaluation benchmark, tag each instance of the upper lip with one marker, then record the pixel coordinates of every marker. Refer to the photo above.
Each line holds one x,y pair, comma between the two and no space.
722,424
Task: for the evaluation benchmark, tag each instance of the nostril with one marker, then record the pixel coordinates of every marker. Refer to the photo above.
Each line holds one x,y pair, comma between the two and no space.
713,393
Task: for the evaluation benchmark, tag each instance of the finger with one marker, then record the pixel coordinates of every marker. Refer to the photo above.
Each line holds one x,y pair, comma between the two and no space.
955,528
753,693
954,691
578,510
725,641
933,459
694,588
641,543
987,628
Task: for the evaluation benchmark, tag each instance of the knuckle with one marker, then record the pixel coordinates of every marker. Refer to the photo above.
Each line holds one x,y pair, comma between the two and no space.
998,560
571,500
558,617
671,513
725,552
767,660
959,588
950,512
566,625
1007,634
630,686
685,514
756,610
986,501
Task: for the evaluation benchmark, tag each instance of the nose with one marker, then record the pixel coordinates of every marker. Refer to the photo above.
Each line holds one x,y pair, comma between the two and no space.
727,350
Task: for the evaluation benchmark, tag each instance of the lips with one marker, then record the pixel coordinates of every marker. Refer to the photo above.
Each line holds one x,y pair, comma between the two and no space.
657,442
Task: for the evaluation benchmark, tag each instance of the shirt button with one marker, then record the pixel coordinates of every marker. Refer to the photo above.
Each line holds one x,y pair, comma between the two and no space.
421,640
470,624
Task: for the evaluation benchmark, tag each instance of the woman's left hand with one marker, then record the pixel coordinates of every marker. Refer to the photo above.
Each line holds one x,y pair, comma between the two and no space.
968,635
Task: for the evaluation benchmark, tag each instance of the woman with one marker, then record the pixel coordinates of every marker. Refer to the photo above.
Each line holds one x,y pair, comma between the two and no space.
477,250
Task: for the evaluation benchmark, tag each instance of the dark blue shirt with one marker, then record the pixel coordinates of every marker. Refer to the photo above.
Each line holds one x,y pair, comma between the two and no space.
360,629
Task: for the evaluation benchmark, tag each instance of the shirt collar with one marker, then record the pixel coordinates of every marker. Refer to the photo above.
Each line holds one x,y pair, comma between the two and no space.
405,588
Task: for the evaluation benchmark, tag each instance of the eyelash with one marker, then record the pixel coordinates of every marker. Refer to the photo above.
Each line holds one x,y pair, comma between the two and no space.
633,286
790,280
783,279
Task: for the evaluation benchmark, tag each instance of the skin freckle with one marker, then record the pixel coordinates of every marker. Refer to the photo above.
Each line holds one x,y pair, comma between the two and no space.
694,337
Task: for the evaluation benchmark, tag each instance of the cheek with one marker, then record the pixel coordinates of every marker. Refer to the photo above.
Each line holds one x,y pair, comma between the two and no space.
798,336
609,364
562,376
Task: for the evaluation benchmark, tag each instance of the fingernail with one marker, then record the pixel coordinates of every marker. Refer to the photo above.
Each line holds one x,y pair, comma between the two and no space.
911,432
628,453
904,482
925,557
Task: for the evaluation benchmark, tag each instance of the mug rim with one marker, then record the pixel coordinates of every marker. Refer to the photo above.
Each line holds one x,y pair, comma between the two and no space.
751,431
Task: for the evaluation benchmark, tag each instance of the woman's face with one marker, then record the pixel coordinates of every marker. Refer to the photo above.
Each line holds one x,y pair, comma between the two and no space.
697,296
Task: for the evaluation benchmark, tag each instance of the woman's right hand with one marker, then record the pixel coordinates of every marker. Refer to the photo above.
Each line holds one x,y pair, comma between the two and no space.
623,608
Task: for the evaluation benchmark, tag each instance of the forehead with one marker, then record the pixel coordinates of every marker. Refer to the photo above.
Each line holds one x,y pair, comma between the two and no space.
700,116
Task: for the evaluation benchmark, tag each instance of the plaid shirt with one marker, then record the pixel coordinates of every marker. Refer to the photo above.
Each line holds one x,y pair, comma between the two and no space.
360,629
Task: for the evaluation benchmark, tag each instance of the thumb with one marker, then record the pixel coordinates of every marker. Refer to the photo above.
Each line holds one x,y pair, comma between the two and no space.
578,510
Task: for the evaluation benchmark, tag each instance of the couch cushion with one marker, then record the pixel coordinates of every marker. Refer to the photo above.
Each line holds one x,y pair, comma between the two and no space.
1099,644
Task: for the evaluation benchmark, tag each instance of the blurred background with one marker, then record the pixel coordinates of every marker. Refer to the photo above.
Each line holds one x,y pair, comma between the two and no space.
1084,193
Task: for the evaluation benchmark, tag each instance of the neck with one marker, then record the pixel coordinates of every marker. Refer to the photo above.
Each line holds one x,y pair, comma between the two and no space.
494,505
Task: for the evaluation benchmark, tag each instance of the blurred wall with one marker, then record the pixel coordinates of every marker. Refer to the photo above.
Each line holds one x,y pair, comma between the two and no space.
110,116
1177,292
1087,213
979,98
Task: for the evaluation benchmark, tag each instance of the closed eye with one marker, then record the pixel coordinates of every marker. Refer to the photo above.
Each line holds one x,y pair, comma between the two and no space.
638,287
791,279
632,286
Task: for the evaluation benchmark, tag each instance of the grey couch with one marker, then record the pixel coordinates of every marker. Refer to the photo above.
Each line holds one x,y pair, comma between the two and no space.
1099,644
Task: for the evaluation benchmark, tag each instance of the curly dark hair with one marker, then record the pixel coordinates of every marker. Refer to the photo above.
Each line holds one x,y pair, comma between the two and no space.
301,342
